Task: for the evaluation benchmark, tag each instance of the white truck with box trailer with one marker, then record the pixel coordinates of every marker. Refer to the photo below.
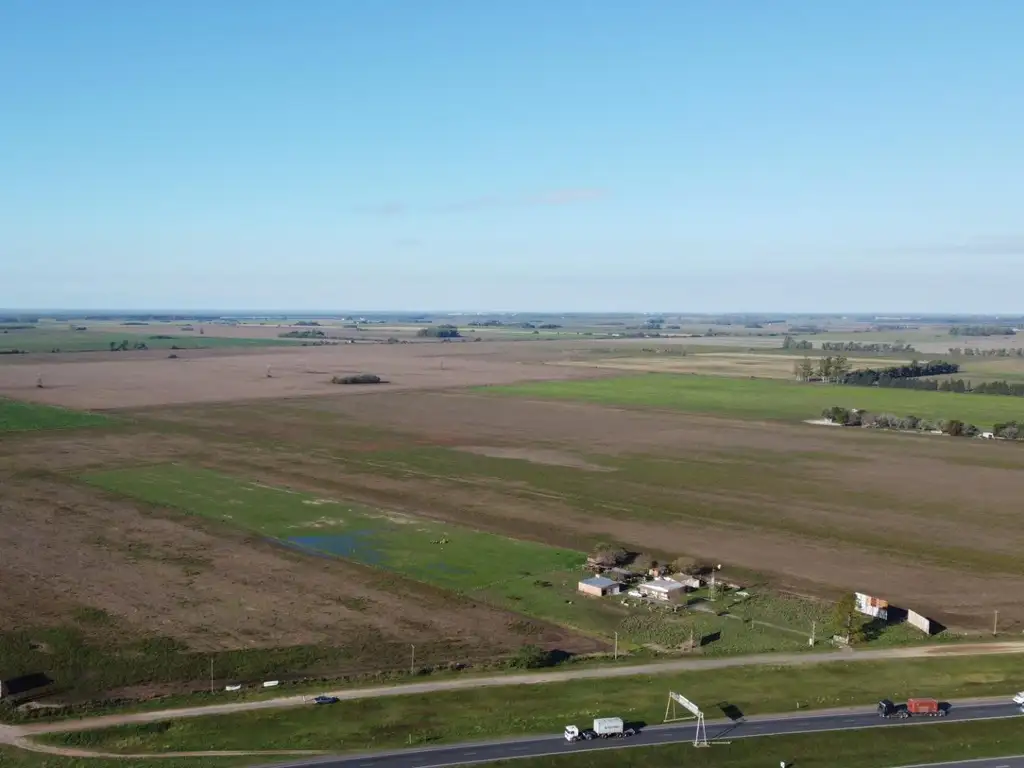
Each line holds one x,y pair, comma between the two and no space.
604,728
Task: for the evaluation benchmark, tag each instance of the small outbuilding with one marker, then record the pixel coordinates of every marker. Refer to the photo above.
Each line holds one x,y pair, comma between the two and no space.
598,586
665,590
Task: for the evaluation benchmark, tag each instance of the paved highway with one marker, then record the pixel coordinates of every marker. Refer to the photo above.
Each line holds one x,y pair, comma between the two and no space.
534,746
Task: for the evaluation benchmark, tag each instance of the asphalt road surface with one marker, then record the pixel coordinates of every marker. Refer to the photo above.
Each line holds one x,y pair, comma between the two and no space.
504,749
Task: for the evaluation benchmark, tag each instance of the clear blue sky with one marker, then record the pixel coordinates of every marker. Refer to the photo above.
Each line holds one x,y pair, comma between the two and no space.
512,154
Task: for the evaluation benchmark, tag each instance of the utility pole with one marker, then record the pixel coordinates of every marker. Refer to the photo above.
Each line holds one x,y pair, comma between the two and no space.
814,630
211,674
995,624
412,661
616,645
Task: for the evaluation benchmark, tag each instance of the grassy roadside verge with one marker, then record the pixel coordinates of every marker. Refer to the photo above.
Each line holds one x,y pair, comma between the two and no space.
412,720
12,757
872,748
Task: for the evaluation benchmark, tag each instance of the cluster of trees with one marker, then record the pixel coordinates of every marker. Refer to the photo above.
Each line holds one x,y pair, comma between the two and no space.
308,322
125,345
790,343
975,352
955,385
500,324
993,388
851,417
1009,430
358,378
869,377
982,330
856,346
828,369
310,334
443,331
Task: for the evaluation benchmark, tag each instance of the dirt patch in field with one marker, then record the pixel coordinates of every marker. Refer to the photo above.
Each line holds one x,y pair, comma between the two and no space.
537,456
162,573
194,378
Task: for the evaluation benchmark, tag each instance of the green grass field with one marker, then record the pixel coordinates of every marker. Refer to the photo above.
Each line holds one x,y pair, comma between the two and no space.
763,399
16,416
12,757
63,340
397,721
448,556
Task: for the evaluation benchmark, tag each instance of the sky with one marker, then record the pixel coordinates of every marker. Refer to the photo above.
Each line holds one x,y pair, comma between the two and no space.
579,155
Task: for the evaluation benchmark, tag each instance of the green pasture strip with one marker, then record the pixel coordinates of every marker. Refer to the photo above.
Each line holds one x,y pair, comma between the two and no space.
16,416
767,399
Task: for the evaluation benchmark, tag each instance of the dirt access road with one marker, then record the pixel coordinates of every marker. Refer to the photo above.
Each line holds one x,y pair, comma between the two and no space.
20,735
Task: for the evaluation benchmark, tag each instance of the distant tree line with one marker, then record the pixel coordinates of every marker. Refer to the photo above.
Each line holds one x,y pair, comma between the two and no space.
975,352
790,343
856,346
125,345
883,377
1009,430
310,334
982,330
443,331
848,417
358,378
501,324
308,322
828,369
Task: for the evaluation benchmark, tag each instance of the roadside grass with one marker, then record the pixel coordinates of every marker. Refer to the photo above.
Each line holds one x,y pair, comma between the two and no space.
49,340
13,757
445,717
97,655
867,748
449,556
16,416
766,399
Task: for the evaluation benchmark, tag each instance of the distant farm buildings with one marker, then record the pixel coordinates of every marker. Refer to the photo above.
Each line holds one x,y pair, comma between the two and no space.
598,586
663,590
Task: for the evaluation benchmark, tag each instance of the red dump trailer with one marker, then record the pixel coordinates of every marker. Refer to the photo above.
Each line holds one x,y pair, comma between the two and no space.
925,707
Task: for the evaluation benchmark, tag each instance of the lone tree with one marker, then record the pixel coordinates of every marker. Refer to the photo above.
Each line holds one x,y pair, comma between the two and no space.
609,555
848,618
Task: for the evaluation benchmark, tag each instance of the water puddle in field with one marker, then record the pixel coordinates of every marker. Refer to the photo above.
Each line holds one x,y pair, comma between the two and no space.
355,545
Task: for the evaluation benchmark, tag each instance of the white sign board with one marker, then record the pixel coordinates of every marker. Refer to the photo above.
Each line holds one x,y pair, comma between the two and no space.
679,698
232,687
271,683
921,622
872,606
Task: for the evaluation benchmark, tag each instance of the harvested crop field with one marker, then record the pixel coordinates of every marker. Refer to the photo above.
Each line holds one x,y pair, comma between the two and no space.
819,510
150,378
107,574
